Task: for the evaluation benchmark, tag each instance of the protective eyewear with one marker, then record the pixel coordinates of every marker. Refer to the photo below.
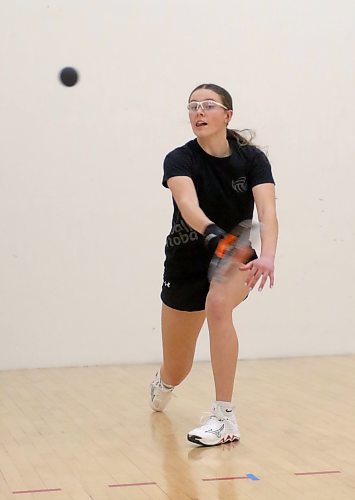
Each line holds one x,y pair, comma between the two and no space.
207,105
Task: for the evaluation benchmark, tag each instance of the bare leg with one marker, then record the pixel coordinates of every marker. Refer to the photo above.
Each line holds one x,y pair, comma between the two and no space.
180,331
221,300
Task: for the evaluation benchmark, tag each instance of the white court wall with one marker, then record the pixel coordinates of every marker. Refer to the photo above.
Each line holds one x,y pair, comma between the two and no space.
83,216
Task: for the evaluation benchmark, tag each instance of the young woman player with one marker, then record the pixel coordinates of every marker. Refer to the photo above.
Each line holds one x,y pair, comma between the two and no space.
215,180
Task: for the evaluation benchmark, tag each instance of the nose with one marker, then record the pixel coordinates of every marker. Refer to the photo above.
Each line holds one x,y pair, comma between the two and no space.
200,109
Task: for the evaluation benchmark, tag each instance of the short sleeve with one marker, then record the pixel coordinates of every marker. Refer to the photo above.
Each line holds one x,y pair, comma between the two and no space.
260,170
177,163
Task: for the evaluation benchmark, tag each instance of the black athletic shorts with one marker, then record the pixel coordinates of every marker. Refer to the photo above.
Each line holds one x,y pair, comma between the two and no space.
187,292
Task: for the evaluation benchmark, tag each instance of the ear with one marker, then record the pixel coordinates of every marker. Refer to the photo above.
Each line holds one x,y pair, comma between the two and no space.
228,116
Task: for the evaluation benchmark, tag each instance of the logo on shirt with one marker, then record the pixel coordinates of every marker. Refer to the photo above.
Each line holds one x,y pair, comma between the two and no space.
181,233
240,185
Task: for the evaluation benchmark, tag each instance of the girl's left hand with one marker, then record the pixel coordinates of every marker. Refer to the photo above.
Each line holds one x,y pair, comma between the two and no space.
263,267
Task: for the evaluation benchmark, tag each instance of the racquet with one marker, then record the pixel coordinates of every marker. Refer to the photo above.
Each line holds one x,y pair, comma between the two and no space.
235,248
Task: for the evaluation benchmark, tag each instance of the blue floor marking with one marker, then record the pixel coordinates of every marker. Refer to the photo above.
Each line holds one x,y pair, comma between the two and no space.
252,477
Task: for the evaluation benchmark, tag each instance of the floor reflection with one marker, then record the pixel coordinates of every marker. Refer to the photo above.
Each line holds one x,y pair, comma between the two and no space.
184,466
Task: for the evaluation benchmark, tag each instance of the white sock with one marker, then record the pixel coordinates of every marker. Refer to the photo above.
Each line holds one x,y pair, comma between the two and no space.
164,385
226,407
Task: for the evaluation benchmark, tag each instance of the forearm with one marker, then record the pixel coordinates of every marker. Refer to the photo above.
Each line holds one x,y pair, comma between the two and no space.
268,233
194,215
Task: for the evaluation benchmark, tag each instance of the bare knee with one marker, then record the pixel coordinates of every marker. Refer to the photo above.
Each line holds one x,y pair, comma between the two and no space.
218,307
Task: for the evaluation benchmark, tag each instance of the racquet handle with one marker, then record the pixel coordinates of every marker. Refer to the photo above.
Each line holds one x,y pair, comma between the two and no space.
225,244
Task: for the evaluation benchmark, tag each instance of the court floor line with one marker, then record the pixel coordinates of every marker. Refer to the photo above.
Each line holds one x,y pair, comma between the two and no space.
250,476
317,472
48,490
231,478
124,485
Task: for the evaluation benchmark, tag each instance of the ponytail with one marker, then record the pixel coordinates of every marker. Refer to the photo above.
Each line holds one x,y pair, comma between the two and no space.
237,136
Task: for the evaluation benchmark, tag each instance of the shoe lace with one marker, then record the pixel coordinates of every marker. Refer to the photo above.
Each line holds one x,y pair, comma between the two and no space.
160,397
206,416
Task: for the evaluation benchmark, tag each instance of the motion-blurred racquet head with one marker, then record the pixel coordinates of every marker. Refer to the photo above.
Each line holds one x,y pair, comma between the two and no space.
235,248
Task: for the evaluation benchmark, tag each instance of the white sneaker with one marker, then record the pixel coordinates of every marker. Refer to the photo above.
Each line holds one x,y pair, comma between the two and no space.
218,427
160,394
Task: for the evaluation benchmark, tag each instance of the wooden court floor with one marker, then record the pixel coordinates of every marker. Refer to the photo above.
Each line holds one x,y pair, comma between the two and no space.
88,433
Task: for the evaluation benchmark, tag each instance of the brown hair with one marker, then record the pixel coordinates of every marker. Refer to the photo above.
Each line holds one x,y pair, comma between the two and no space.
228,102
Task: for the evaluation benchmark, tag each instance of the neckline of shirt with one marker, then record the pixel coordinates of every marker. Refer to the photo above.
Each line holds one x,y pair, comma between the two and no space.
216,158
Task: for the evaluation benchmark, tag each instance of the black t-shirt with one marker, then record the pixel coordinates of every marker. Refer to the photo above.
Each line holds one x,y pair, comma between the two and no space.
224,190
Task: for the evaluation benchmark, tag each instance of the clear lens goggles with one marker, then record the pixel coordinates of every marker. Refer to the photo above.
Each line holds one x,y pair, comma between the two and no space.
207,105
